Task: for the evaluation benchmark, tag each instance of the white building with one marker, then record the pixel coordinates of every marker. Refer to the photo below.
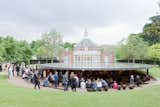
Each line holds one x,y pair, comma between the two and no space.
87,52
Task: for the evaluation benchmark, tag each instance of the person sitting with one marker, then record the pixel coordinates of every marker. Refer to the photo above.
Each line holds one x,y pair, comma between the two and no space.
24,76
83,84
94,85
123,86
115,85
99,85
88,85
50,79
104,85
46,83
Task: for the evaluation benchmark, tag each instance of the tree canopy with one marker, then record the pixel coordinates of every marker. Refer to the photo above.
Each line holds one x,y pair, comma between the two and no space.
151,31
12,50
154,51
133,48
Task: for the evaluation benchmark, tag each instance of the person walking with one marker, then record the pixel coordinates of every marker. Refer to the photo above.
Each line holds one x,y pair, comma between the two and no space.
36,80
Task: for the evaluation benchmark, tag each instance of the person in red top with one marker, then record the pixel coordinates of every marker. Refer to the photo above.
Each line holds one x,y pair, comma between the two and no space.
115,85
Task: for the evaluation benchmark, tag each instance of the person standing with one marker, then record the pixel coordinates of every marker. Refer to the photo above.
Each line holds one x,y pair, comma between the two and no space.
138,80
10,72
36,80
132,84
0,67
65,81
73,82
18,70
132,80
56,79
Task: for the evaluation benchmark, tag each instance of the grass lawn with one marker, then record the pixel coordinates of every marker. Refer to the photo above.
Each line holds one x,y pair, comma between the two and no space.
155,72
13,96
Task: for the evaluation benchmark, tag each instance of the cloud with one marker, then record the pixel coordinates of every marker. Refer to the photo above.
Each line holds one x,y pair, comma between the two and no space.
27,19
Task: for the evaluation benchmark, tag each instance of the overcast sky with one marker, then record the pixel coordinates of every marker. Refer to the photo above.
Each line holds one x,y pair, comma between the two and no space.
107,21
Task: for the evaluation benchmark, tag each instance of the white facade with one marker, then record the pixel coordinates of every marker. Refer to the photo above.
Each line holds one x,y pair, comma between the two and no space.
86,56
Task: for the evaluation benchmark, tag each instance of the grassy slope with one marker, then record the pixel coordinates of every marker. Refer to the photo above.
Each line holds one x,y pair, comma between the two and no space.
155,72
12,96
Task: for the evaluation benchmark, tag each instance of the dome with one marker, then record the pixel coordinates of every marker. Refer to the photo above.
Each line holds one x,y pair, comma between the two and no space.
86,43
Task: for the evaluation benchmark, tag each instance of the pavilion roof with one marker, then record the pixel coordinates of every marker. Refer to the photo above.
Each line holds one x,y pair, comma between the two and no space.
96,66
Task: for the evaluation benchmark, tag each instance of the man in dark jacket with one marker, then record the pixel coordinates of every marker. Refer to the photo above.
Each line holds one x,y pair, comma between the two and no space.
73,83
36,81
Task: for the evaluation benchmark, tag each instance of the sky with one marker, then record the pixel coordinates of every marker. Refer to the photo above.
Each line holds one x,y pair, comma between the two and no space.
107,21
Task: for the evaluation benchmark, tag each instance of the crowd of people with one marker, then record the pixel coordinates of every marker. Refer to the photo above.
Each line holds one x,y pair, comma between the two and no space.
72,80
68,80
26,72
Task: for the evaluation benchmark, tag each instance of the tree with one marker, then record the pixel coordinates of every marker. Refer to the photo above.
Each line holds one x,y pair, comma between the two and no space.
68,45
38,48
2,50
52,43
133,48
154,51
12,50
24,51
151,31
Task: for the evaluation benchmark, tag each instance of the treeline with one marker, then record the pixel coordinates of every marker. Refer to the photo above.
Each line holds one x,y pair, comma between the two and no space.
12,50
142,46
49,46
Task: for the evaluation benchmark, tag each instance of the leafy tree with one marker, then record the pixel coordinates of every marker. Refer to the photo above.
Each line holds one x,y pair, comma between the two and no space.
2,50
12,50
52,43
154,51
133,48
24,51
68,45
151,31
38,48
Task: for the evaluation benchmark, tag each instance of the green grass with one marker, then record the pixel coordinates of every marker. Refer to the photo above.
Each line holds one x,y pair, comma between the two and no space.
13,96
155,72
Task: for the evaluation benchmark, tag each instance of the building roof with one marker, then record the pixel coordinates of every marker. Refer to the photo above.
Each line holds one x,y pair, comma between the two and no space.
86,42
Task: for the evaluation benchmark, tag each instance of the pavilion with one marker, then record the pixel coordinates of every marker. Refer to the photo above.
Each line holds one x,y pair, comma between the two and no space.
87,57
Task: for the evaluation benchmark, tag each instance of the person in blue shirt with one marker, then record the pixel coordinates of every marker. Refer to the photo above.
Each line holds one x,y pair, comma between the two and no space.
56,79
